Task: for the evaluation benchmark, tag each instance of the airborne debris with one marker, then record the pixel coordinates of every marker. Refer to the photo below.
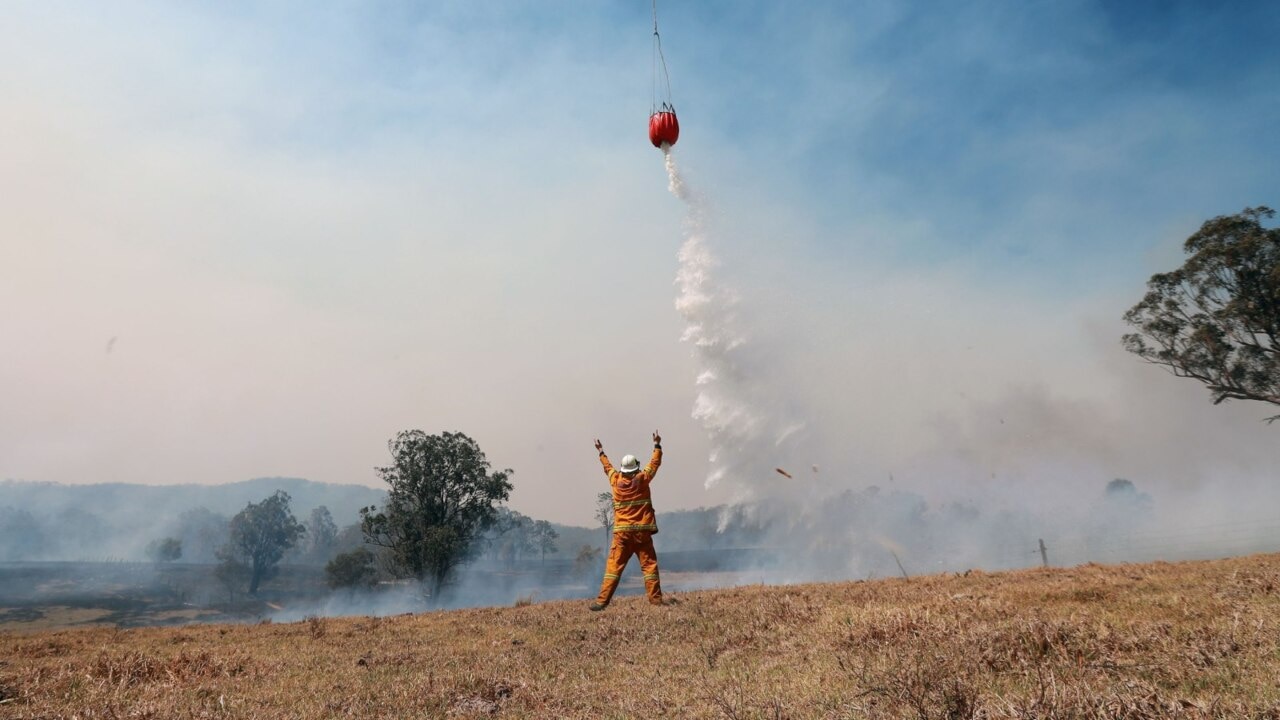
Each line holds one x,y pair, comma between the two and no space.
783,473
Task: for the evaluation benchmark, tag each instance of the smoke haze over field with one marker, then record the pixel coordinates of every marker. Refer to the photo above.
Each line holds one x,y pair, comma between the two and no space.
116,522
241,241
989,472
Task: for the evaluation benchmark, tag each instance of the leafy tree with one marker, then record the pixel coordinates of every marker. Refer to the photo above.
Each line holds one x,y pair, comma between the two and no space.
202,533
508,537
261,533
1216,319
230,571
21,535
604,515
351,569
163,550
80,533
584,564
1112,522
348,538
322,533
1121,488
544,538
442,498
1122,495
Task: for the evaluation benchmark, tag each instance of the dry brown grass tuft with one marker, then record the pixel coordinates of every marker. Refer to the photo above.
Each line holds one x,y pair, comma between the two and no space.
1192,640
135,667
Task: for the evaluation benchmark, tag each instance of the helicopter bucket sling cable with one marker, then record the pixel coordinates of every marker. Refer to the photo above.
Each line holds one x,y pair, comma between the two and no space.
659,60
664,127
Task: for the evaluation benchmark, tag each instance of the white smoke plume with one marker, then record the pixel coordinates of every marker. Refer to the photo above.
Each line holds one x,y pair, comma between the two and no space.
745,430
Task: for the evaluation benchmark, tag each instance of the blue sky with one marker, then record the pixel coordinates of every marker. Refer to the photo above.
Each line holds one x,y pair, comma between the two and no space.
311,225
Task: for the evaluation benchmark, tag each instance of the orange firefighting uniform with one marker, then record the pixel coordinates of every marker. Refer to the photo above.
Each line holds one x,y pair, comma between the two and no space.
634,524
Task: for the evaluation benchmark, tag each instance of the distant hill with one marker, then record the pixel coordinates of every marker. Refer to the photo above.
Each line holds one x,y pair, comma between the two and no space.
51,521
133,504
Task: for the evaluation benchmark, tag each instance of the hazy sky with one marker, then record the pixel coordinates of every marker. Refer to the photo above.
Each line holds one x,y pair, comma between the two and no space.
251,239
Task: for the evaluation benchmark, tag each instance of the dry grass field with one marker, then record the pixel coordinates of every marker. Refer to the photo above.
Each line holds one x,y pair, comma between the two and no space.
1187,640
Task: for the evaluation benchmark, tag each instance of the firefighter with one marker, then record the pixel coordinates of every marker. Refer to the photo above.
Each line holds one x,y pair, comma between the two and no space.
634,523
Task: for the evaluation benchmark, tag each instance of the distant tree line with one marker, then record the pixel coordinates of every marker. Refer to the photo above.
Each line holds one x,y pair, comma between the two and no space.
193,536
445,509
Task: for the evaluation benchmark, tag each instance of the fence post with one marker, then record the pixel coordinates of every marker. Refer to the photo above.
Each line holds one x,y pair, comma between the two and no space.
895,559
1044,554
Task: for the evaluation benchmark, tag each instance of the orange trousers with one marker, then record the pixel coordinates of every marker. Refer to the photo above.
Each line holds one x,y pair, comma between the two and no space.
624,545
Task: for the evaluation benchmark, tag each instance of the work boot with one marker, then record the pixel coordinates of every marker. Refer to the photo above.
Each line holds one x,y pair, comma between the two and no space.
664,601
597,607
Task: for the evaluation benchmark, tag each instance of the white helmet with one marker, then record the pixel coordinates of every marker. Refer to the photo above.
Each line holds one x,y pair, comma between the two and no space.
629,464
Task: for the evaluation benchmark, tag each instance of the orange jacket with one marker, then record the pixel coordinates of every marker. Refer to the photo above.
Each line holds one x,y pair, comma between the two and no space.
632,508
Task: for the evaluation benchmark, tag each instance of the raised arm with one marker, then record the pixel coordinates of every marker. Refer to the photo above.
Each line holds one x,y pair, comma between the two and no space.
655,460
604,459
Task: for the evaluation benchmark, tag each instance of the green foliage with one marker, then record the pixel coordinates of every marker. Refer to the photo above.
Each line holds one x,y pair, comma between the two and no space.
230,571
544,538
349,538
261,533
1216,319
1121,488
587,561
322,536
604,515
513,535
509,537
1124,507
351,569
21,536
202,533
442,498
164,550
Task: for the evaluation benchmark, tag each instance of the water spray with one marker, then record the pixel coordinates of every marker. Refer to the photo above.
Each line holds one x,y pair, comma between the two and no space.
744,437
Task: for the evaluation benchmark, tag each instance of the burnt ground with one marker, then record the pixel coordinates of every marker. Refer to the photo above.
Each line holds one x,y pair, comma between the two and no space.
46,595
37,596
49,595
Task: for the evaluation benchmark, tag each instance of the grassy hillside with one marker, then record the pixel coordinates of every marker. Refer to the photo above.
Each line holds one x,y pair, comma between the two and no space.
1137,641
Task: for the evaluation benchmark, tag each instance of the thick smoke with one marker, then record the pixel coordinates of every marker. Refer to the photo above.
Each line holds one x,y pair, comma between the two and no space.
979,484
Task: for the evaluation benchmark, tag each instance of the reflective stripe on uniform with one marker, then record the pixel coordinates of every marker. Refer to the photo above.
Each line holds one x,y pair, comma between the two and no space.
631,503
651,577
630,528
611,576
